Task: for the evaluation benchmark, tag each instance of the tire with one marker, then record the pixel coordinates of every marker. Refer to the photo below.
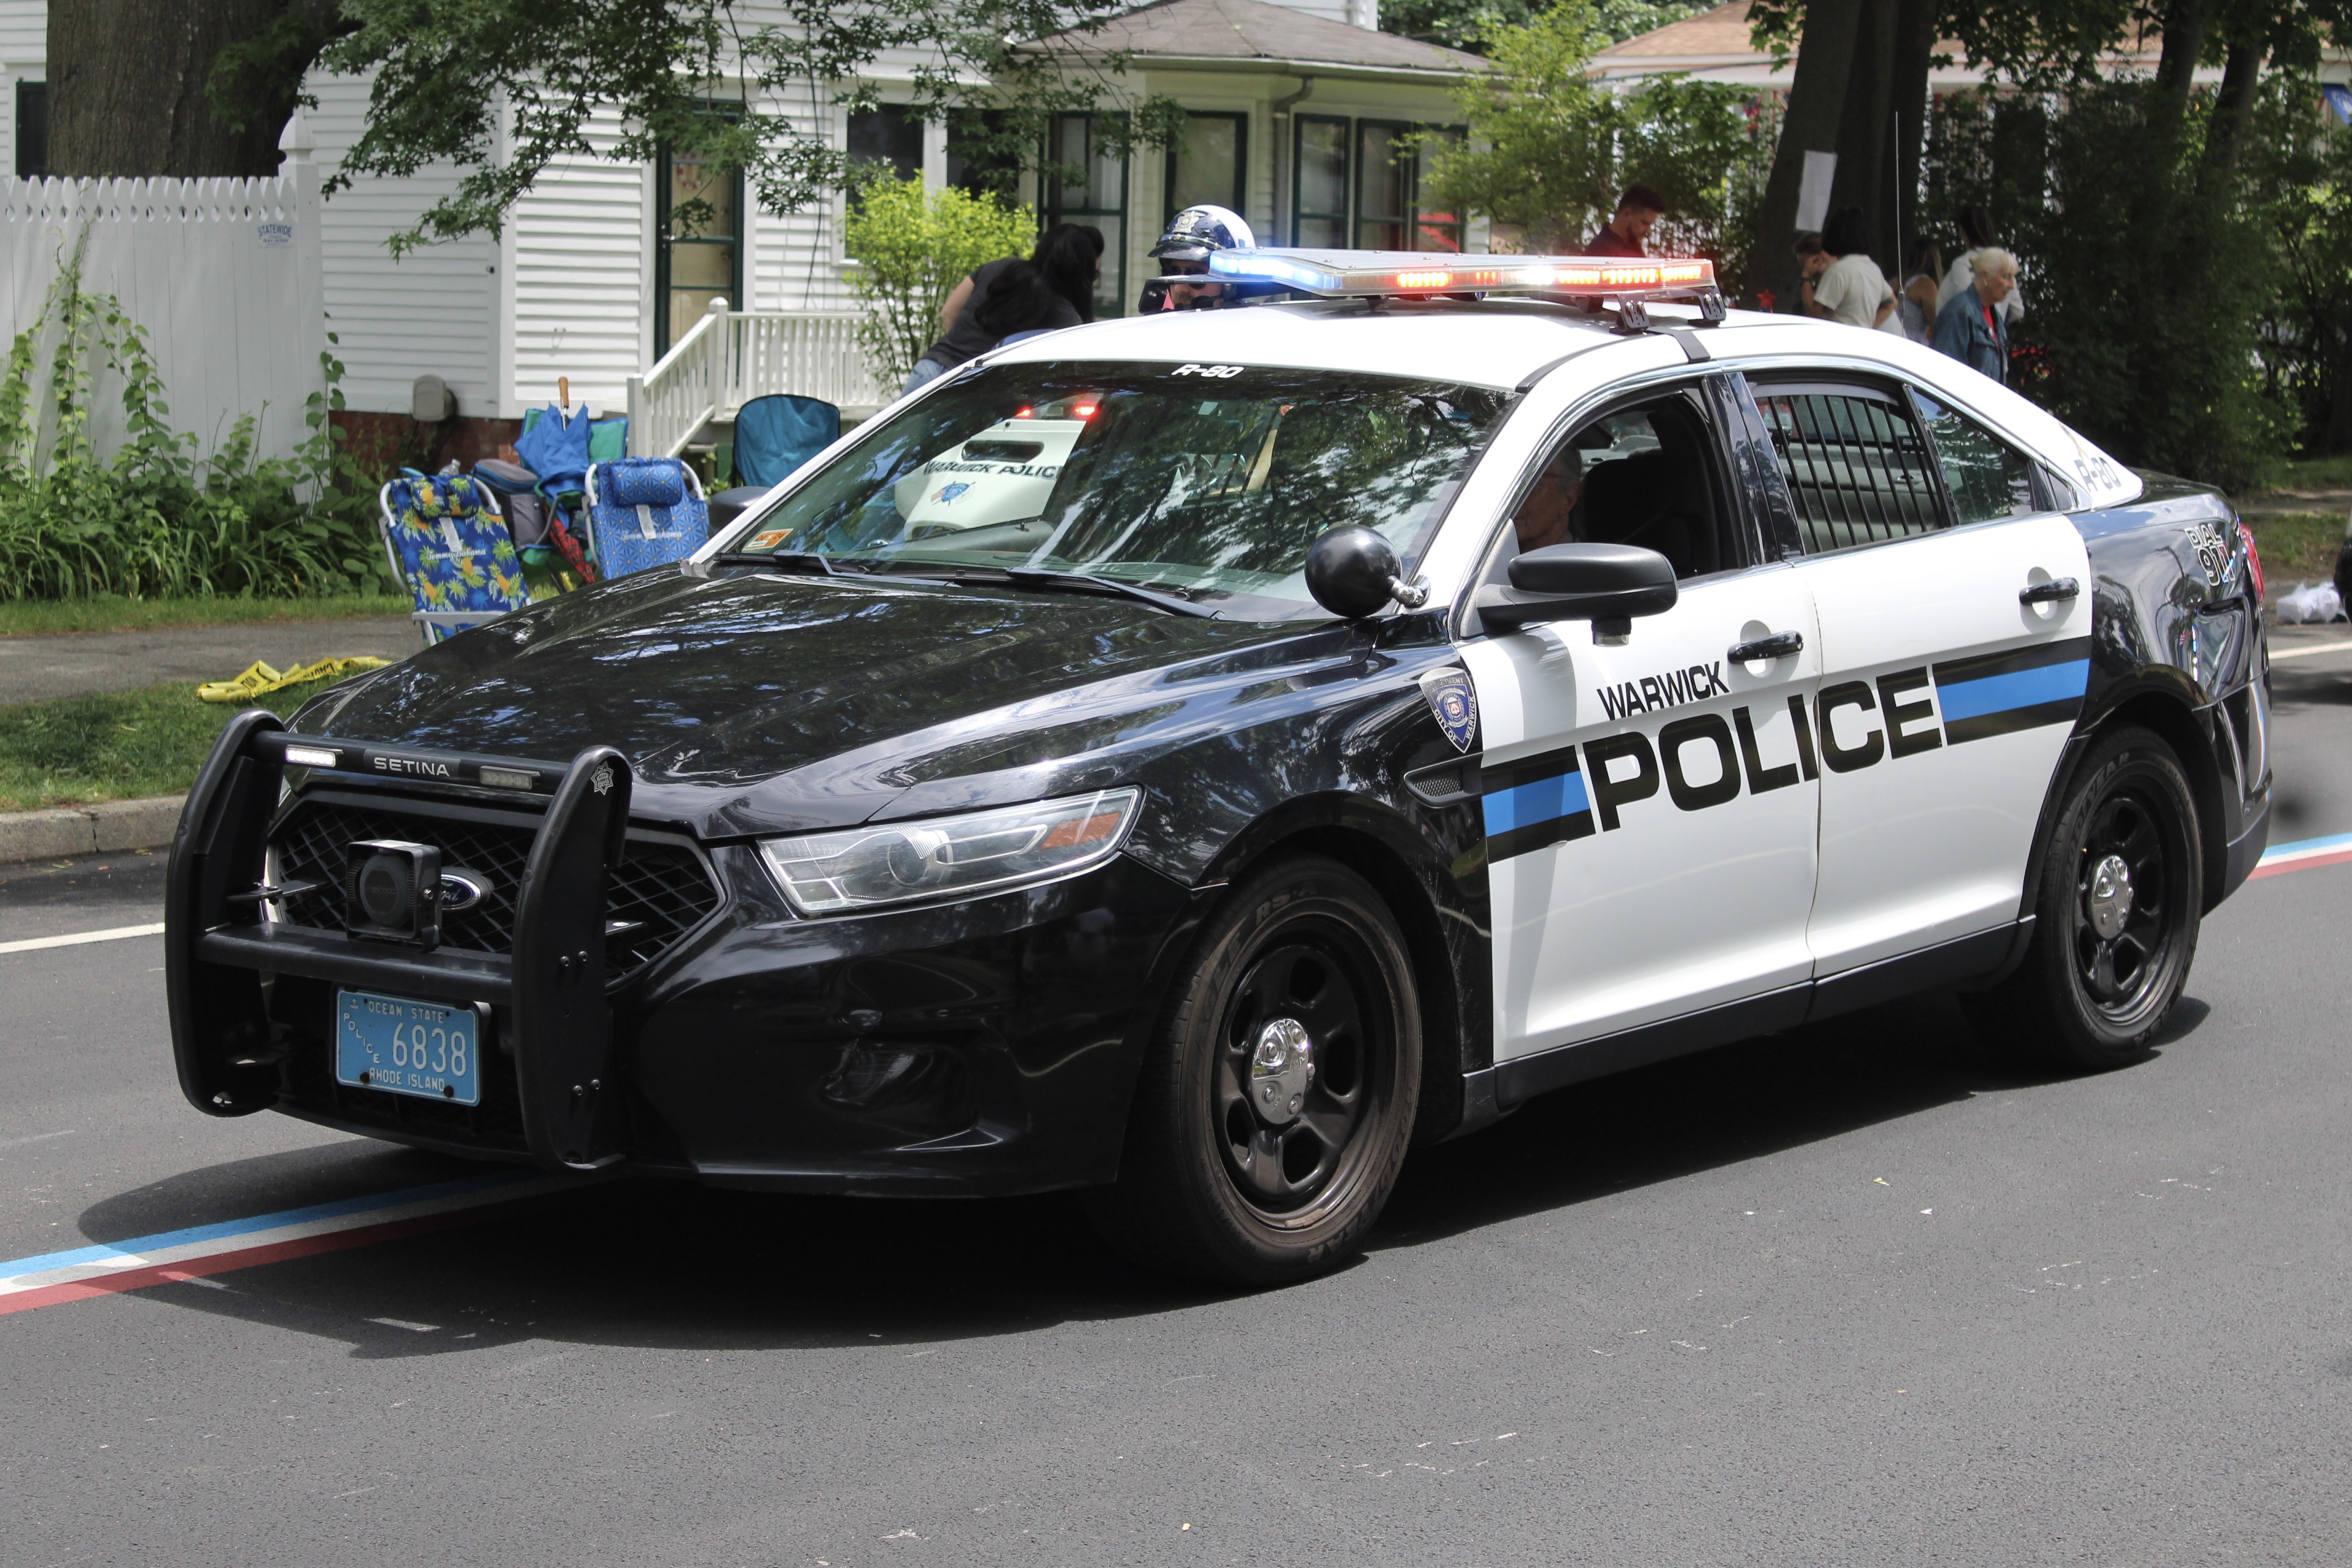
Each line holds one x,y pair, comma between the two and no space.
2119,893
1249,1160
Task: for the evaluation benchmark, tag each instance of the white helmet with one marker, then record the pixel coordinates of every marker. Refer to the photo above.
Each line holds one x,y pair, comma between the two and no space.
1196,232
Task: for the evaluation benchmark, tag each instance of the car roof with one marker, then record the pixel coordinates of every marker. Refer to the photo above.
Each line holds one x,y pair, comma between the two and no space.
1502,342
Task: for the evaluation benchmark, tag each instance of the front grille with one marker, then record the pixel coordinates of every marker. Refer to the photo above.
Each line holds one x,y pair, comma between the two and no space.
661,890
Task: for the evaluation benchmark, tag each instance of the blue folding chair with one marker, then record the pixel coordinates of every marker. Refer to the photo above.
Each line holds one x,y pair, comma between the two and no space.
644,512
776,433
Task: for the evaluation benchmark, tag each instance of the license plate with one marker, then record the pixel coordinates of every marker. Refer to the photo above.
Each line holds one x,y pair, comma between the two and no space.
431,1049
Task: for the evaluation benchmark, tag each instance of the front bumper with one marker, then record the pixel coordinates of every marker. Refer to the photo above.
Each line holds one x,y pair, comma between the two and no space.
983,1047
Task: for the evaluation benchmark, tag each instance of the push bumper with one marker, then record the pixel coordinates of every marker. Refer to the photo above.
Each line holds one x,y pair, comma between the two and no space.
976,1048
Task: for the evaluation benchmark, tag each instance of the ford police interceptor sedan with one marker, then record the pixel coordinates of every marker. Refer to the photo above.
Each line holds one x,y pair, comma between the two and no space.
1198,758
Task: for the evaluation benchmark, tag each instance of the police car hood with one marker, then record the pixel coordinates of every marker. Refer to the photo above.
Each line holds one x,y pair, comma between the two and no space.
755,704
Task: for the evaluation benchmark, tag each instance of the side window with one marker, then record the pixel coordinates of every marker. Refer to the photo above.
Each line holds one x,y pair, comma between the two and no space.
1649,474
1857,464
1988,477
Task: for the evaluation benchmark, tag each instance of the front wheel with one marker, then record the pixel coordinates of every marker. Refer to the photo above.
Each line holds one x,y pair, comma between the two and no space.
2120,892
1275,1108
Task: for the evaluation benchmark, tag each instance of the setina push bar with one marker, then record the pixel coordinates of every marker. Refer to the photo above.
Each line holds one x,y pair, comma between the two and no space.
549,993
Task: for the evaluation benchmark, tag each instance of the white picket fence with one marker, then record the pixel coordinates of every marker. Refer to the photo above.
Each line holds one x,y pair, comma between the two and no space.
730,357
223,275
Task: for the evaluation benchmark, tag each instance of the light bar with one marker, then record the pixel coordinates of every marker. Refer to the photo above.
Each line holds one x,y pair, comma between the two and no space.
1350,274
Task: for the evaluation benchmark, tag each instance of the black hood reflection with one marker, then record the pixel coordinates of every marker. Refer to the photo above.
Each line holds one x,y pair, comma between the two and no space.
751,703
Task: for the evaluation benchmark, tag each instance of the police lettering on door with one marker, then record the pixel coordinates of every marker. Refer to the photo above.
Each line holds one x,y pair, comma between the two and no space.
1706,759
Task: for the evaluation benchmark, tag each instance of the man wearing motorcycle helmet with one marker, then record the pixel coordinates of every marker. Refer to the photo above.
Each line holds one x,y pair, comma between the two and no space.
1191,236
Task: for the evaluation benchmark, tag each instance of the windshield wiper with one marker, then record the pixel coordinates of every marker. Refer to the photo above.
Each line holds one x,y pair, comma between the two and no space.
1085,583
790,559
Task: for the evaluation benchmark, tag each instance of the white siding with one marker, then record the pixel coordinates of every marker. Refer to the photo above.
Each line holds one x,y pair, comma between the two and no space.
582,279
432,310
24,54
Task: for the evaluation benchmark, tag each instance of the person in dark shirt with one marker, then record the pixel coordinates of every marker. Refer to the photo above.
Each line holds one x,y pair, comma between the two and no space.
1637,211
1053,288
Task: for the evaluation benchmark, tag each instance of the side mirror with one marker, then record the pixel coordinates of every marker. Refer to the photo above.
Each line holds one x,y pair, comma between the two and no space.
1598,582
1353,572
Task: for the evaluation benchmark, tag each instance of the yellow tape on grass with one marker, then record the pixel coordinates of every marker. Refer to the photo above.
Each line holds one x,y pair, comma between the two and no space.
260,678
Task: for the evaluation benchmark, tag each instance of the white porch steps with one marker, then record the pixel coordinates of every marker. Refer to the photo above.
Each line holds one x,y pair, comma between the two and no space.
730,357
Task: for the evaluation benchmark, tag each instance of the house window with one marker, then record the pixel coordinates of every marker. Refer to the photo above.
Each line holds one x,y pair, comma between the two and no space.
1086,182
889,136
1384,169
1319,209
984,154
1208,166
698,242
32,129
1435,230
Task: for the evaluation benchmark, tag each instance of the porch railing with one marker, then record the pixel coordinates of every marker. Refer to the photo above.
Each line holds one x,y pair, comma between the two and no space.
729,357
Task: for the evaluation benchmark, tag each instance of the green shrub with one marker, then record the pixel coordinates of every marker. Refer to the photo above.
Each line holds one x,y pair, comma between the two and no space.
913,247
154,518
2147,268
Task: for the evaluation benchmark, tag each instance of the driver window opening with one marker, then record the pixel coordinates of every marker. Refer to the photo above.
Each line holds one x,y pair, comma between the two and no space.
1641,476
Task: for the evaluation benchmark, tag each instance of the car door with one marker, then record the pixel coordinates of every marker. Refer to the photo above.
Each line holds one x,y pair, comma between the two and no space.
1651,803
1947,688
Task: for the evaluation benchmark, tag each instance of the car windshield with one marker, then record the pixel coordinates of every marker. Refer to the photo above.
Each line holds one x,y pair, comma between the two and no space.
1205,483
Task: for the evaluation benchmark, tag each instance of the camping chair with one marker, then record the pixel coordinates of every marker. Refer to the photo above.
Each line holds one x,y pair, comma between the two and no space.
644,512
444,538
774,436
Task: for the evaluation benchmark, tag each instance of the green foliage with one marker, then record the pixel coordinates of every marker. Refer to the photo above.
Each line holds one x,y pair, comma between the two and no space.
2147,273
2301,170
1469,24
1549,149
115,745
912,248
505,88
154,518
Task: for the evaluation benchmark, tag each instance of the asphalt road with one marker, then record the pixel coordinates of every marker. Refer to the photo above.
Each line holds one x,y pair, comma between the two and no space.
1860,1294
36,669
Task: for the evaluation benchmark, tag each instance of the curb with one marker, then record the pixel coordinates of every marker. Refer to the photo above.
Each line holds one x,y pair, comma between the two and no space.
106,829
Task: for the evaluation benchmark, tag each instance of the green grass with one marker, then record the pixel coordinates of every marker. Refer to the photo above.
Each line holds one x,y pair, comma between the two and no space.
2309,473
29,617
2297,545
117,746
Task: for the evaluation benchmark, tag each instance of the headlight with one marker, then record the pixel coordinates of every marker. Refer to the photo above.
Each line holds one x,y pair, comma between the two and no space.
951,857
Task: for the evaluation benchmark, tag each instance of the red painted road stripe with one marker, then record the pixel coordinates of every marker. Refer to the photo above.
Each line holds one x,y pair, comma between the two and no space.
2282,867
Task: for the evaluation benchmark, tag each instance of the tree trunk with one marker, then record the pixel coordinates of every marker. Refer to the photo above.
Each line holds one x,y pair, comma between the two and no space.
1915,42
1816,106
2184,40
2233,105
1866,131
126,80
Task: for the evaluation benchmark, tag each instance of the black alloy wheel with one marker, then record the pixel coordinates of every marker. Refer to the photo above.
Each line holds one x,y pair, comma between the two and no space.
1275,1108
2120,894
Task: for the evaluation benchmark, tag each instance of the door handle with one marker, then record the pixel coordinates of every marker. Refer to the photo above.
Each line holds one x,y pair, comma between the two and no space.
2052,592
1779,645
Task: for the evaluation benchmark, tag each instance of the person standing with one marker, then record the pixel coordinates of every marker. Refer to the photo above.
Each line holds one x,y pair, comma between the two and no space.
1842,282
1638,210
1920,299
1056,284
1970,327
1976,229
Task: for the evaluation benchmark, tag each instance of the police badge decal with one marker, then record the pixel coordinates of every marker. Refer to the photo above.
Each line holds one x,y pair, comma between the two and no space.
1451,698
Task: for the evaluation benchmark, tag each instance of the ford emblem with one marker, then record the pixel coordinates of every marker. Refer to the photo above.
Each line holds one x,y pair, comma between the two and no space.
462,889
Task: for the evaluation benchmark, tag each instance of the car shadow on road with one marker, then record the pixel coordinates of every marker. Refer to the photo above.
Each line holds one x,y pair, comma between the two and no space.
659,1264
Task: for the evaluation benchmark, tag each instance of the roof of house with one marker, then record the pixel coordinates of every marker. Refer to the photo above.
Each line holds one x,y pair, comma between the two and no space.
1251,30
1720,32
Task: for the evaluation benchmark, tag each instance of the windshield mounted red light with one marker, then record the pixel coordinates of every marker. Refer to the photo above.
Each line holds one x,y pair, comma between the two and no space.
1082,410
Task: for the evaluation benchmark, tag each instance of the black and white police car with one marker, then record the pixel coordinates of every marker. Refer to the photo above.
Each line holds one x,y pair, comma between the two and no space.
1199,757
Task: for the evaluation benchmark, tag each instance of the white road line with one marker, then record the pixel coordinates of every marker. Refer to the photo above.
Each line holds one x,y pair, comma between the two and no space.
33,943
2311,653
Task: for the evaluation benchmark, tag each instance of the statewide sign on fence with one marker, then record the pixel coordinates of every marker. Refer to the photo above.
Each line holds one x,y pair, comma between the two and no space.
223,275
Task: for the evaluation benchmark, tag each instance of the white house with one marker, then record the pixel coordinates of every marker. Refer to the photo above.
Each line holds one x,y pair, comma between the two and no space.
1299,112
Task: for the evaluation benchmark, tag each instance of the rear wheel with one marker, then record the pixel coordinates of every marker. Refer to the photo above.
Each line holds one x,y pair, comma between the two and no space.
2120,891
1278,1098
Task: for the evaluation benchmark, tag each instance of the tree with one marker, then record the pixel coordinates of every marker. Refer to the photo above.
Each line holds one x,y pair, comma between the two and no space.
505,88
1469,24
1549,149
128,83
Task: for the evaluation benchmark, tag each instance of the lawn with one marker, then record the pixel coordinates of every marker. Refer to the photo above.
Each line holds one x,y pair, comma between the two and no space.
2297,545
25,617
2310,473
118,745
